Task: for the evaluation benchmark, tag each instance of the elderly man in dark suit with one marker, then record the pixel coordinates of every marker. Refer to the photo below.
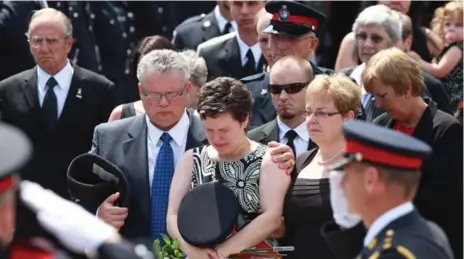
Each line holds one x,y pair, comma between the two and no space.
239,55
141,145
57,104
288,35
200,28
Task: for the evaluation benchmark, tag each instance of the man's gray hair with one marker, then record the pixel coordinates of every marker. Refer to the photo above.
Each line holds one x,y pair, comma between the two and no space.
66,23
382,16
162,61
197,66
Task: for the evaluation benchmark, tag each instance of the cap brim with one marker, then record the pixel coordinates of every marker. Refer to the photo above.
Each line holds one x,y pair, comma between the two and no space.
340,164
15,149
271,29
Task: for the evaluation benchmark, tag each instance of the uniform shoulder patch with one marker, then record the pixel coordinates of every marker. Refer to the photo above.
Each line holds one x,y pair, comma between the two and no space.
251,78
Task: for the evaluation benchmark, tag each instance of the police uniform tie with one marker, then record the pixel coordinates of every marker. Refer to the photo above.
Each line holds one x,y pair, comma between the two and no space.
250,65
50,106
227,28
161,183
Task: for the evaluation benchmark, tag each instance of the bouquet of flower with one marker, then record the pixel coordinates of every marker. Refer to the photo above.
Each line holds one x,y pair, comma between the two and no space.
171,250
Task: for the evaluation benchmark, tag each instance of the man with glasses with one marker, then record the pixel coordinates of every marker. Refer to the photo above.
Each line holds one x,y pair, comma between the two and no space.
292,31
56,103
289,77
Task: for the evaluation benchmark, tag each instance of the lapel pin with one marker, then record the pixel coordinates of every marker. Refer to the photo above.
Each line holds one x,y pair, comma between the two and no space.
264,92
79,93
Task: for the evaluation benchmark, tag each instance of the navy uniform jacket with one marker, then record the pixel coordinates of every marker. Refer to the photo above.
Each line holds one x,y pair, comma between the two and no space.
263,110
407,237
196,30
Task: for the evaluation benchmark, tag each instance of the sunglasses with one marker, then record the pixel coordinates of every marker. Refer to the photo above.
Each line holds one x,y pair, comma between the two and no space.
288,88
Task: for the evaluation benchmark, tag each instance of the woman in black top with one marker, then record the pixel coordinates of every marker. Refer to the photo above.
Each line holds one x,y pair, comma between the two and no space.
330,100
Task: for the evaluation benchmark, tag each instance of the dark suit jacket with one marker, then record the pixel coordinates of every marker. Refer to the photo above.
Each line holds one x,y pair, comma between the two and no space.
196,30
19,106
439,197
263,110
124,143
223,59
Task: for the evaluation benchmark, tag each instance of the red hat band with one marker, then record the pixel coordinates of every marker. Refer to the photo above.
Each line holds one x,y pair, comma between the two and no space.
296,19
381,156
6,184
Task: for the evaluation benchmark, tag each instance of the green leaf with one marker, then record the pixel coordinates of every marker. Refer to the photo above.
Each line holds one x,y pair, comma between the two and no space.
175,244
178,254
166,239
157,247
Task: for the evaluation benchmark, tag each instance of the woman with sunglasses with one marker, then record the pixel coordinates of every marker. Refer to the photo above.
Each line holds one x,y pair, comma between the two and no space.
330,100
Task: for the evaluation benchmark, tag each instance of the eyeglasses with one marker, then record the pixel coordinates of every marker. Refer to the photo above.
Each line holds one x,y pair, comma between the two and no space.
288,88
158,96
321,114
36,41
374,37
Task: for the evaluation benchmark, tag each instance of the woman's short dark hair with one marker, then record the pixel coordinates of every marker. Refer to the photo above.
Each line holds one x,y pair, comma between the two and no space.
145,46
222,95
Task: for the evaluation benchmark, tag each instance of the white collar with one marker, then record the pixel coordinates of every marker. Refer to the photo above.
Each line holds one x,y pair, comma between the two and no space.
356,74
223,21
255,49
177,133
300,130
63,77
381,222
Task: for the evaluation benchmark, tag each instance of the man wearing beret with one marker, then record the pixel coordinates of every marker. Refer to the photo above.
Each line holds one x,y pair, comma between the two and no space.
293,31
80,231
377,179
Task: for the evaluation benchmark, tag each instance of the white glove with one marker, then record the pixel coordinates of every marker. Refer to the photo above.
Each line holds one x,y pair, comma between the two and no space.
339,203
76,228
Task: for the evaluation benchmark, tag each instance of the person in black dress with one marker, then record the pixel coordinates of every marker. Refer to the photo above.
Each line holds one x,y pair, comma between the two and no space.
330,100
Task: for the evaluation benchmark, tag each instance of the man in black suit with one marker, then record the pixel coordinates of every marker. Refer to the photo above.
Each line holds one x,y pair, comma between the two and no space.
200,28
292,31
289,78
57,104
237,56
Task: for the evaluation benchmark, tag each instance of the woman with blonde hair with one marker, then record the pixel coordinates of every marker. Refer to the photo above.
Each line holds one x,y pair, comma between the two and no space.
330,101
396,82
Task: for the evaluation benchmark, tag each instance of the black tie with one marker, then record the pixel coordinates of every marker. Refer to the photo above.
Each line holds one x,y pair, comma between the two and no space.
250,65
227,28
291,135
50,106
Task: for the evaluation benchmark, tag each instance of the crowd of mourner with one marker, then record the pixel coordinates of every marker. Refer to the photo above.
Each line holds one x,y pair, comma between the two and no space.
229,141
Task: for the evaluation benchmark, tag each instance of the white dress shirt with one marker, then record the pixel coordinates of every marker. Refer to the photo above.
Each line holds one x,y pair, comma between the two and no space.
63,78
178,142
301,142
255,49
223,21
385,219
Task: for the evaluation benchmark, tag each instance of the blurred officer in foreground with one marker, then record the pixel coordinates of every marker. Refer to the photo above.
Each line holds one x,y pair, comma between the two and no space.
379,178
293,31
75,228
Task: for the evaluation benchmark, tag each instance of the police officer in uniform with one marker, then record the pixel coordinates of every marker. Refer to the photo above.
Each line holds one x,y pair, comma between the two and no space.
377,179
200,28
78,230
293,31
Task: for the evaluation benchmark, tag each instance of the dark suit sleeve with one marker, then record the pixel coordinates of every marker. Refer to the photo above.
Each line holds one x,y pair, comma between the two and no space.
14,13
124,250
438,94
109,102
344,243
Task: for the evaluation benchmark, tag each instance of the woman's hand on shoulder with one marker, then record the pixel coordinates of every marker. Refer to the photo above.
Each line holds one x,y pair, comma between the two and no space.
283,156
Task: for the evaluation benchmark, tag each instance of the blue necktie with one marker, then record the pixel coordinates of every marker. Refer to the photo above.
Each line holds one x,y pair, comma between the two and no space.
161,183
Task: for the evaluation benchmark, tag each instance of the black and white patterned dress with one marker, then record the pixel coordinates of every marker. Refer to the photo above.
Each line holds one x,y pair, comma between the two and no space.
241,176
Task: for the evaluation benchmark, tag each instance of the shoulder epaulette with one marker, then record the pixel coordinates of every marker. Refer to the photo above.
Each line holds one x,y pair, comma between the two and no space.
251,78
215,40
